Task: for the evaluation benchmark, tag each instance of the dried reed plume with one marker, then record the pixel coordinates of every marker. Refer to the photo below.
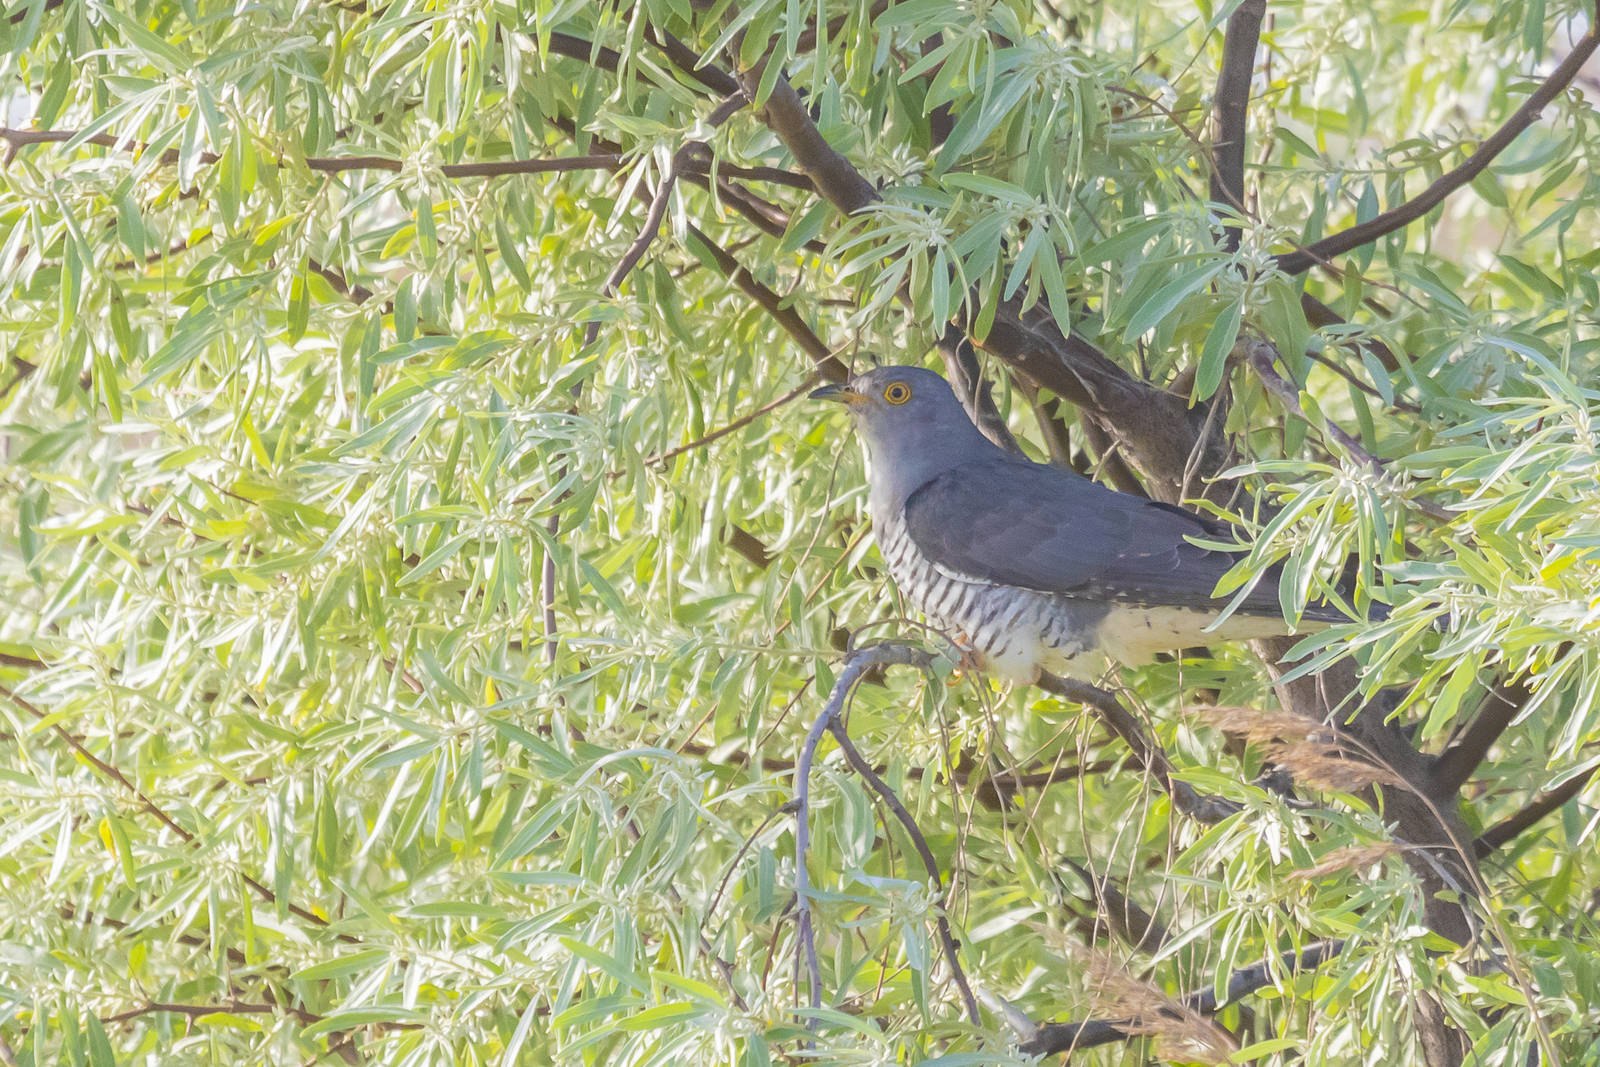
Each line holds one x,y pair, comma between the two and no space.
1349,858
1309,750
1140,1009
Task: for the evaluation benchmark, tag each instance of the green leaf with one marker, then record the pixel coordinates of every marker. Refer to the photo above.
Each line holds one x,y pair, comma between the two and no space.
342,966
1214,352
1166,299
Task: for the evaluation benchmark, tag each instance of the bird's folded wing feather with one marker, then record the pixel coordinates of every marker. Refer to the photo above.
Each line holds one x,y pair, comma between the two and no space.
1043,528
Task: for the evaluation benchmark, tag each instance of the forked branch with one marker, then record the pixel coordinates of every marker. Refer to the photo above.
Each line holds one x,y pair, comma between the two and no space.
856,666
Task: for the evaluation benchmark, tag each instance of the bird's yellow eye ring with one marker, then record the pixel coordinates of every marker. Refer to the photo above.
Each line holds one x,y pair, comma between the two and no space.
897,393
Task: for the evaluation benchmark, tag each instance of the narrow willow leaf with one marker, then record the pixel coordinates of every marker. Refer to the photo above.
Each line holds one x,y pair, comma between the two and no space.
1214,352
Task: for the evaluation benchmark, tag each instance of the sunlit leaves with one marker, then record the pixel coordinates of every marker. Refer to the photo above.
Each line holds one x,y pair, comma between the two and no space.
297,431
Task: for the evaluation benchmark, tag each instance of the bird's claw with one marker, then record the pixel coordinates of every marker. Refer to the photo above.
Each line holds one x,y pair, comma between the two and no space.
968,660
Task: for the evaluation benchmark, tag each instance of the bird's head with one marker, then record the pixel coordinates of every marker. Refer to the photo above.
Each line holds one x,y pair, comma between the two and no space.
912,424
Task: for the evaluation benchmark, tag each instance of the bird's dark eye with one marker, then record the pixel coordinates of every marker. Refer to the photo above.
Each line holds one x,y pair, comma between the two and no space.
897,393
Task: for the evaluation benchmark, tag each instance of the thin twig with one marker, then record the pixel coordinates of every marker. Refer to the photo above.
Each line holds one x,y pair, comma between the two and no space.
827,364
153,808
733,427
693,161
1302,260
658,210
1261,355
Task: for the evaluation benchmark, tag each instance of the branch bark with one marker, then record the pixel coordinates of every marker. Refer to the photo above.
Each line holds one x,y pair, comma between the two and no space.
856,666
1230,109
1456,764
947,940
1440,854
826,363
1158,429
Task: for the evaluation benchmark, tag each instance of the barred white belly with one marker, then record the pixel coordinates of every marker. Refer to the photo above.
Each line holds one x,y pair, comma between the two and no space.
1016,633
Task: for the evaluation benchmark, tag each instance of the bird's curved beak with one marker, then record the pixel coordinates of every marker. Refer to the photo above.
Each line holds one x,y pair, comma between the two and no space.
838,394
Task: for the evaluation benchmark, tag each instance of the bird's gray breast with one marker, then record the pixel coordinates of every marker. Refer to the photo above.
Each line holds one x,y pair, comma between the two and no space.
1017,632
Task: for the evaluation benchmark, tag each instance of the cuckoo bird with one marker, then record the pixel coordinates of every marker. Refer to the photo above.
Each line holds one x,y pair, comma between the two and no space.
1029,567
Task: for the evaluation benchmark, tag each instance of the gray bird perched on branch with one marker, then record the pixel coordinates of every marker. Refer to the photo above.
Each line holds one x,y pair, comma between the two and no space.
1029,567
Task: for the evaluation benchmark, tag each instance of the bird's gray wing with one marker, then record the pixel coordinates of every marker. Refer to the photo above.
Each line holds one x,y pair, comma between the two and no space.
1039,527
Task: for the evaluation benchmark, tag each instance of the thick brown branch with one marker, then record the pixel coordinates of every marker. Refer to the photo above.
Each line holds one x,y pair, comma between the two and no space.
585,51
687,60
833,175
1158,427
748,545
1231,108
1118,912
1302,260
1457,762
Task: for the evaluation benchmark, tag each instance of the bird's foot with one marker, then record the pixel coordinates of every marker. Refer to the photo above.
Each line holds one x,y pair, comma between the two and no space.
968,660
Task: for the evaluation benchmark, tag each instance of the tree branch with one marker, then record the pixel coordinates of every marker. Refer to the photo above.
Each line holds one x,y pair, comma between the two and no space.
357,293
1230,109
1052,1038
1507,829
1118,912
115,775
1302,260
658,208
942,920
827,364
1158,427
16,17
736,425
687,60
966,379
855,666
692,162
1457,762
1206,809
748,545
1261,355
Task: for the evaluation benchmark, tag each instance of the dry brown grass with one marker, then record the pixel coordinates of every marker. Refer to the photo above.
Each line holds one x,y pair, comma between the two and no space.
1139,1008
1349,858
1309,750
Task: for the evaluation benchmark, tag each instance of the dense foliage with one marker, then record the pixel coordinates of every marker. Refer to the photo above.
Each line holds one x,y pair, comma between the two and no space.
422,574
